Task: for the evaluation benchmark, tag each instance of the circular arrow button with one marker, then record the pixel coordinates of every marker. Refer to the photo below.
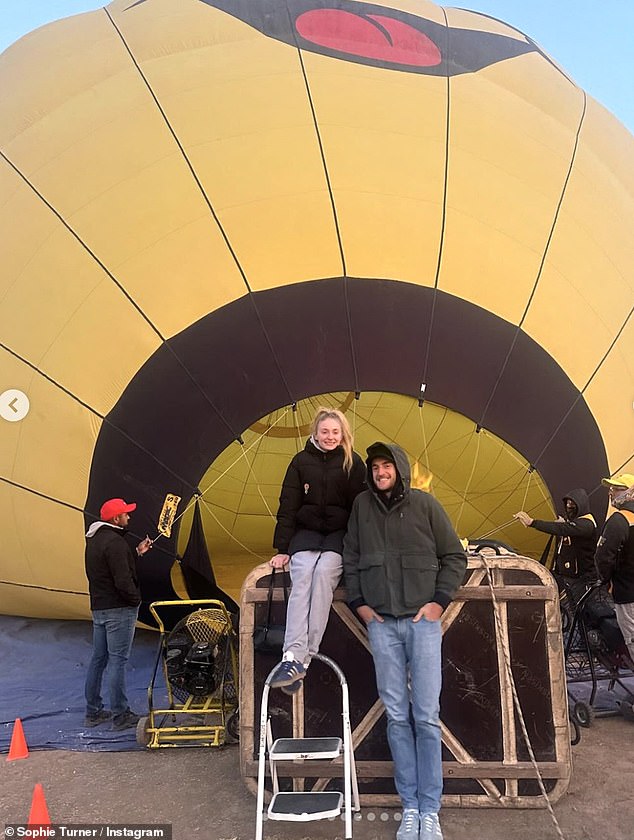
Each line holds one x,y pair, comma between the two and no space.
14,405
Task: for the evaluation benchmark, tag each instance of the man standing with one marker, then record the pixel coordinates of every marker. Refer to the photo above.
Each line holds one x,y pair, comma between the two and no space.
114,600
403,563
615,553
576,534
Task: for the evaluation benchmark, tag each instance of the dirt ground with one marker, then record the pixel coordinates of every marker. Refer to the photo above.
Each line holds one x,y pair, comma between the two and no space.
200,792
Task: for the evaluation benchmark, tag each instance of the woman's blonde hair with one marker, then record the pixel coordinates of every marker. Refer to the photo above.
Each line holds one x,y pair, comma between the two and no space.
324,413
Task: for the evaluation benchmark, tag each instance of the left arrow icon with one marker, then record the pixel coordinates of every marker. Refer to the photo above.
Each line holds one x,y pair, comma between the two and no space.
14,405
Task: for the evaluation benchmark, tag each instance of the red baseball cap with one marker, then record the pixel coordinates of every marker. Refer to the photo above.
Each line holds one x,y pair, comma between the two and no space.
113,507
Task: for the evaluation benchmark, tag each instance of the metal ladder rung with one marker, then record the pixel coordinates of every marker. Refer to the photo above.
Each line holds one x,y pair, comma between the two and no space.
287,749
305,806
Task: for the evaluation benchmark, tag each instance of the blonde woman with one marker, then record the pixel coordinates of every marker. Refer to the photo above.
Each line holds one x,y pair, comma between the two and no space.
319,487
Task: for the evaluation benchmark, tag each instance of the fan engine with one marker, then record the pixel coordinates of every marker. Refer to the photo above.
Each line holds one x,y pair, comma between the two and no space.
197,655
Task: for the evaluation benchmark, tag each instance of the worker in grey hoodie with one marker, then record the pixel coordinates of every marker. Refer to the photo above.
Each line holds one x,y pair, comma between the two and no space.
114,601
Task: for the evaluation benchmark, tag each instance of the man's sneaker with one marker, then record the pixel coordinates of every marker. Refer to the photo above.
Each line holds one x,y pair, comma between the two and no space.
99,717
429,827
408,829
126,720
287,673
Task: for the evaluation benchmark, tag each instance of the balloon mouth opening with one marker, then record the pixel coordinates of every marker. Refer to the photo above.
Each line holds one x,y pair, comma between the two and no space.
480,479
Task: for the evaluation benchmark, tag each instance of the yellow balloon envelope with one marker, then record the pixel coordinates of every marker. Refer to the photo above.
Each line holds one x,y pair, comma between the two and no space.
217,214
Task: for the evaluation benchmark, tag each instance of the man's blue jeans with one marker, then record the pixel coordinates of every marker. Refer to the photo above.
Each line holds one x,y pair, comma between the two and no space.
113,632
407,661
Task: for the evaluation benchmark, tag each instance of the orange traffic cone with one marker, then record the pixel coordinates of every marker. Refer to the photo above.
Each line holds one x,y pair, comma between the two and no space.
39,812
18,748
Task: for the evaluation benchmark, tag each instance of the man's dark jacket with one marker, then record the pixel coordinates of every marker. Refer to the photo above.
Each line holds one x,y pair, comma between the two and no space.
316,499
110,569
400,553
615,554
577,538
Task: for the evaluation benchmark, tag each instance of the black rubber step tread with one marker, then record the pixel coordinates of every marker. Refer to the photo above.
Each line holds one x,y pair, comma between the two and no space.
306,805
298,747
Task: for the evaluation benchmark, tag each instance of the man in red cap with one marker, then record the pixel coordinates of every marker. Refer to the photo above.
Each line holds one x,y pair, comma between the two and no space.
114,600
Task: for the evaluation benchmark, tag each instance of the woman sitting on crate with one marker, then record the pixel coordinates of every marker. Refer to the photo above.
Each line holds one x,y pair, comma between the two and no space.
319,487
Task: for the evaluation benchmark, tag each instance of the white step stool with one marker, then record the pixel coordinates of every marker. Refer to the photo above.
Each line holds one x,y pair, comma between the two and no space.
305,806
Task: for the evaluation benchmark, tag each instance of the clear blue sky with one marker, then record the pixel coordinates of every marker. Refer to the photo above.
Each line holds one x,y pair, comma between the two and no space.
592,39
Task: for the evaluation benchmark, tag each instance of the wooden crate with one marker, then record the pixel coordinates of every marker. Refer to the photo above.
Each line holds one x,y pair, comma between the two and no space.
486,762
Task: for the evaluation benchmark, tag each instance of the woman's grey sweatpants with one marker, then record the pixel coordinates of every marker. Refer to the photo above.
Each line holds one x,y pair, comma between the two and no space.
314,578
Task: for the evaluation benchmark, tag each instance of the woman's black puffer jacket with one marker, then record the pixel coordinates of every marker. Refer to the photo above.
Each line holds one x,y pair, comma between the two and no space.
316,499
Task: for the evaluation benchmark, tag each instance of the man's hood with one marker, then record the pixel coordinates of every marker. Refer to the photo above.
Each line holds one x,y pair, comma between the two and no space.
580,498
92,530
393,453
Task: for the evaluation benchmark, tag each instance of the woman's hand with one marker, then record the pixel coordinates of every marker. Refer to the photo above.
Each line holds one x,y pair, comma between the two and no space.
279,561
524,518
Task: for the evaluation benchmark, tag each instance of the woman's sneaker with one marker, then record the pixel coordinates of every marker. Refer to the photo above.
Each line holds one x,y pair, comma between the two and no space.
408,829
287,673
292,689
429,827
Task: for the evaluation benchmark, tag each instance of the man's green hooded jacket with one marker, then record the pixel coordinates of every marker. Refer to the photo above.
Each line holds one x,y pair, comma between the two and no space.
400,552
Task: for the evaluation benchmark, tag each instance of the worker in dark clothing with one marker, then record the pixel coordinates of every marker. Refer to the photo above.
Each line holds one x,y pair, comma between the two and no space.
577,536
615,553
114,601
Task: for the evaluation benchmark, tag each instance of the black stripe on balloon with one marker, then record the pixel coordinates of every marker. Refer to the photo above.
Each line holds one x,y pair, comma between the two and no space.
530,40
609,350
446,174
181,148
333,203
625,465
41,495
302,318
443,218
83,244
194,174
586,386
518,329
206,199
42,588
557,210
322,154
91,410
102,265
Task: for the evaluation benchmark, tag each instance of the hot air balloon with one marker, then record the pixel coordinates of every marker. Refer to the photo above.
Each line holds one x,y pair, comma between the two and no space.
218,214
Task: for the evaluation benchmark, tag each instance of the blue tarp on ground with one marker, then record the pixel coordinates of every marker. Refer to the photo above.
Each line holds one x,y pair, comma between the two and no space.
42,671
44,664
606,700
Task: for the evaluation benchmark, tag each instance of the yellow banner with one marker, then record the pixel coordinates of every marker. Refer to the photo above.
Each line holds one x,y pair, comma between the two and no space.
166,519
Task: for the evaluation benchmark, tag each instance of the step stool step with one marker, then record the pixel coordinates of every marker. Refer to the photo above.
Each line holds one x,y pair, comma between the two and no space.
287,749
305,806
